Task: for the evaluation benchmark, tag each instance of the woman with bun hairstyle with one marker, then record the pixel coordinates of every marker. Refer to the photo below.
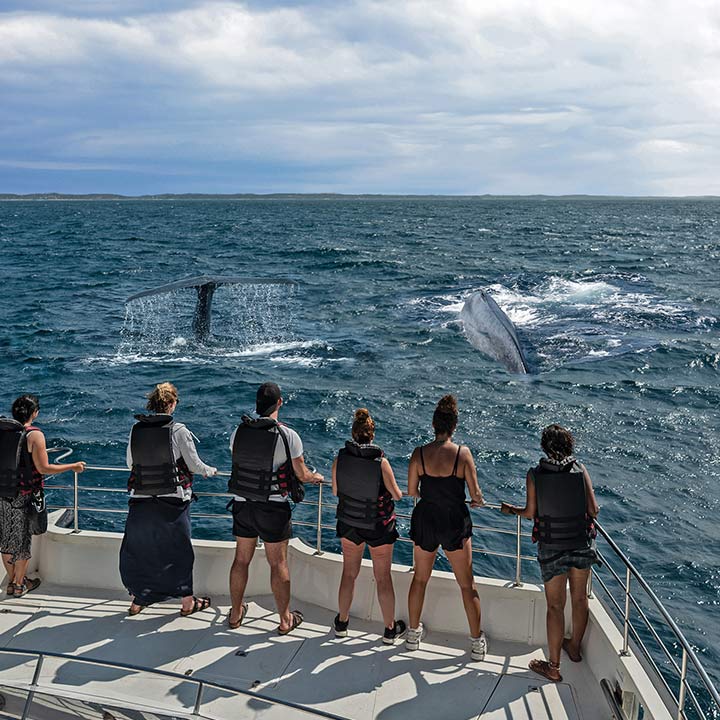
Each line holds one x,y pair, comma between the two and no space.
156,556
365,486
438,474
22,441
561,501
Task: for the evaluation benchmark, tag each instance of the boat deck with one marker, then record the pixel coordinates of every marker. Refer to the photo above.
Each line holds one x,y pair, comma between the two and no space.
355,677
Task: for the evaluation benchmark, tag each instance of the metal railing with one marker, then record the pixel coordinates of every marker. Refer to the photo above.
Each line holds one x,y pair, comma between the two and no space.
193,709
623,612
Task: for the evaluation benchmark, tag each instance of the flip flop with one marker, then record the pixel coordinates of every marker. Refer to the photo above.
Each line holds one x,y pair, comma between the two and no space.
199,603
297,619
544,668
575,658
238,623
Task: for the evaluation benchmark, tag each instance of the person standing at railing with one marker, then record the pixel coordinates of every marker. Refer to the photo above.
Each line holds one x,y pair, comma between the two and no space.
156,555
438,474
366,488
23,462
265,455
561,501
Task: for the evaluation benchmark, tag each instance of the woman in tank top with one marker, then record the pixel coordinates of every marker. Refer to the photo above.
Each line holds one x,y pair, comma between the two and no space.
438,474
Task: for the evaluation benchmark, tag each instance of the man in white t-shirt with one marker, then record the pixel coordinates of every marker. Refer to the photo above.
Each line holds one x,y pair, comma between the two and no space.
260,506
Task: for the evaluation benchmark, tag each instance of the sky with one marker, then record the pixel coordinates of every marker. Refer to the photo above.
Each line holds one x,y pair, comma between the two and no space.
615,97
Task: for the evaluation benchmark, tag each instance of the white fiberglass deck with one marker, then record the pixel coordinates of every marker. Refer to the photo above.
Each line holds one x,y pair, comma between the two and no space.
354,677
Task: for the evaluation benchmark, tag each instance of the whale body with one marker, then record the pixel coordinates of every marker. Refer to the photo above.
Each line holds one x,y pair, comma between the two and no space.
490,330
205,286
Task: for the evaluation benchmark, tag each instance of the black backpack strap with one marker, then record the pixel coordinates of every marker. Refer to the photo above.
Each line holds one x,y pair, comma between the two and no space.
285,443
457,457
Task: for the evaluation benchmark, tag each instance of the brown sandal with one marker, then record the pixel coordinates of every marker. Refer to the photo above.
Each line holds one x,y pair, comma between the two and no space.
199,603
243,612
545,668
132,613
297,619
10,589
566,647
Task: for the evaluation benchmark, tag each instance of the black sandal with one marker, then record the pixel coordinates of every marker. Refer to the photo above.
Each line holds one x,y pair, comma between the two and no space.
199,603
243,612
133,613
29,585
297,619
10,591
544,668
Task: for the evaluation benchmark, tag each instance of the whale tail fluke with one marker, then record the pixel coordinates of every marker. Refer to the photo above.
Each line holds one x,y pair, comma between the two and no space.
206,285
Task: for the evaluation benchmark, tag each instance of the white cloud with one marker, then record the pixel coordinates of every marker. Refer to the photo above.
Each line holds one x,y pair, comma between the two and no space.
472,94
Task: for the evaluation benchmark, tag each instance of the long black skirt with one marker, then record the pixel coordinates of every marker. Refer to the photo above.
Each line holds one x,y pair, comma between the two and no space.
156,555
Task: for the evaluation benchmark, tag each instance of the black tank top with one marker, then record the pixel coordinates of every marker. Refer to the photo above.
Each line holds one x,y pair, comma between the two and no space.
445,491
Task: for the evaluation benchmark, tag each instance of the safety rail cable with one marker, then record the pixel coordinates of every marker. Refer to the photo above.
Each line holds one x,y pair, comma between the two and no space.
201,684
688,652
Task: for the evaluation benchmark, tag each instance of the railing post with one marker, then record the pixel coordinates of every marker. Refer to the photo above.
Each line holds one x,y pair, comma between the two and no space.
590,584
681,693
76,522
626,619
33,686
518,559
318,538
198,698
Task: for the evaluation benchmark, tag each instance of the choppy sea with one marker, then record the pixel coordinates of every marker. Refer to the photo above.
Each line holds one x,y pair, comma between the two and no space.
616,301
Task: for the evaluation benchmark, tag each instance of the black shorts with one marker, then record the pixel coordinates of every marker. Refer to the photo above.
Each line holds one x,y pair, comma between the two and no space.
270,521
382,535
432,527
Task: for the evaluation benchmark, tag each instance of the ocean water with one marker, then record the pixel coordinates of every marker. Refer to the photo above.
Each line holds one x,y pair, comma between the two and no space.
617,303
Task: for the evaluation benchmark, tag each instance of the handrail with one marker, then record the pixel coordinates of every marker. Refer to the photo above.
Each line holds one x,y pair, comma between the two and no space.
42,654
631,572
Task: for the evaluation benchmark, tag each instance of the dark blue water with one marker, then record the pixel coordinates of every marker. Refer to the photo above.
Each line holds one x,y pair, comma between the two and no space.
616,301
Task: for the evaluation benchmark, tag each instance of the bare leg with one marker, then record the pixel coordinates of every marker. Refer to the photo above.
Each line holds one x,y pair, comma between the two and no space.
382,562
9,567
244,551
461,562
555,595
416,597
352,560
20,568
276,554
578,598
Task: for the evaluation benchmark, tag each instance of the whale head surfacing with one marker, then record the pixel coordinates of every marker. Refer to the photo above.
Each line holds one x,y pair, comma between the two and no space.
490,330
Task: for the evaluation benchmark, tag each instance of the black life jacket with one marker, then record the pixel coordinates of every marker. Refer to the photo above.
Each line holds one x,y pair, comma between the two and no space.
359,482
16,466
562,520
253,456
154,470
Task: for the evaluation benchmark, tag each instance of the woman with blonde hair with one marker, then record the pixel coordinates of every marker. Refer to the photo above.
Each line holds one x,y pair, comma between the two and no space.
438,474
156,556
365,486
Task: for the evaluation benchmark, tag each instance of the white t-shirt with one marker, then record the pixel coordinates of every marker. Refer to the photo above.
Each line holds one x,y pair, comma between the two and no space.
183,447
296,451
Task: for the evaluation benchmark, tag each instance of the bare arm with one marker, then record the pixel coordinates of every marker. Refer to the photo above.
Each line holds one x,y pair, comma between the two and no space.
303,472
389,481
334,477
471,479
530,509
592,507
414,474
38,450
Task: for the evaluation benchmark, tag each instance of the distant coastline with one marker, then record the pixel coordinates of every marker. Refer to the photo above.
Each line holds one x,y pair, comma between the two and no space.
330,196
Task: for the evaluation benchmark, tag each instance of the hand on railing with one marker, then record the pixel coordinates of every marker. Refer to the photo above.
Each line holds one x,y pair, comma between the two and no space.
79,467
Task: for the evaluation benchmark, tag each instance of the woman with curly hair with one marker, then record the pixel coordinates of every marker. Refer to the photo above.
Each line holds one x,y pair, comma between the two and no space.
561,501
156,556
438,474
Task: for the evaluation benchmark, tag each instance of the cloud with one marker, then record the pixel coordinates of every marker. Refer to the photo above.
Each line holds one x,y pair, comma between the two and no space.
414,95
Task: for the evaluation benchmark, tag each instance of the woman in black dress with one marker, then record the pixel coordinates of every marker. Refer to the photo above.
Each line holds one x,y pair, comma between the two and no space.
438,474
156,555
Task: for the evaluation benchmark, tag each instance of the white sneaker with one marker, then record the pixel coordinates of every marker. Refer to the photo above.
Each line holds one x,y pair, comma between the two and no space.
478,647
413,637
